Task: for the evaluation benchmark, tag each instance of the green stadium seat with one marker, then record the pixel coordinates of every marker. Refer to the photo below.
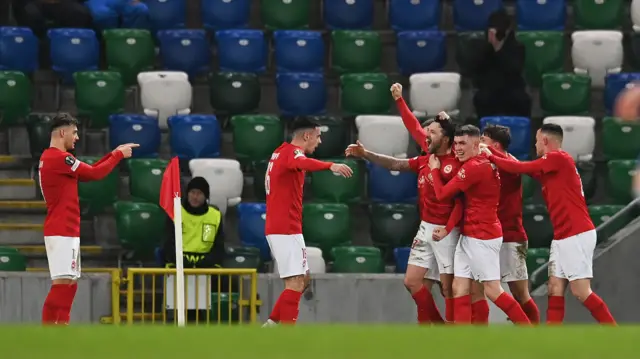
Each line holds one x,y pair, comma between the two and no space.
537,224
355,259
598,14
12,261
365,94
145,178
259,171
99,94
602,213
565,94
356,51
468,45
234,93
620,139
8,250
393,225
621,174
225,308
529,186
39,131
326,225
241,257
256,136
141,227
536,258
15,97
587,172
329,187
129,52
544,54
95,196
334,136
285,14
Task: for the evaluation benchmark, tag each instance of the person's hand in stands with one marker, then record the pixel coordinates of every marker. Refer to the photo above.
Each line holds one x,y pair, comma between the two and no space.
493,40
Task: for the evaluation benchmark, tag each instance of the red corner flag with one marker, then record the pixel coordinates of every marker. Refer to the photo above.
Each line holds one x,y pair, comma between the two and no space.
170,186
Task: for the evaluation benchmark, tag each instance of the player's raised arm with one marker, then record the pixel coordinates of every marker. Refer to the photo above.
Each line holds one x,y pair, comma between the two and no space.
388,162
99,171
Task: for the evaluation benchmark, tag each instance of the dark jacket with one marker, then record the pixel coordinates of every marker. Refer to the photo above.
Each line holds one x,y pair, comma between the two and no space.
501,70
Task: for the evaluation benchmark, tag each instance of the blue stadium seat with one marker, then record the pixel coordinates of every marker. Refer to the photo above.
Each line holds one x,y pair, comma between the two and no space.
299,51
195,136
251,218
348,14
421,51
73,50
301,94
520,128
614,84
18,49
225,14
241,50
536,15
134,128
167,14
401,256
472,15
414,15
185,50
391,186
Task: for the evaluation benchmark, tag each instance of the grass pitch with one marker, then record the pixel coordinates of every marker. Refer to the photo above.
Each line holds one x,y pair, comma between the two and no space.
318,342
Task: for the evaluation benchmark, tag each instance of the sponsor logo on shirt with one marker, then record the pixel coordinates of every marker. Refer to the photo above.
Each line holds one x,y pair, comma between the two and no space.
447,169
461,173
298,153
69,160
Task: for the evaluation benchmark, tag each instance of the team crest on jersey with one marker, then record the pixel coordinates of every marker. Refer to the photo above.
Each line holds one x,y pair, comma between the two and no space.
544,157
69,160
447,169
461,173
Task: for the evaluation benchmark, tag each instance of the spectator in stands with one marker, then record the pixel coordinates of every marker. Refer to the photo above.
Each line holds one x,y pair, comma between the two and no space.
498,73
41,15
109,14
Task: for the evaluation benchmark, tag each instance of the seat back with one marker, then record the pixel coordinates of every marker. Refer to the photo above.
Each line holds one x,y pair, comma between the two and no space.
579,138
135,128
520,129
414,15
383,134
164,94
19,49
185,50
301,94
242,50
435,92
540,15
224,177
421,51
195,136
472,15
347,14
167,14
597,52
225,14
299,51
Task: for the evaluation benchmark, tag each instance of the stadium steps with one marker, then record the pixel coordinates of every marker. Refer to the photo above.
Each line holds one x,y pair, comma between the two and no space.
22,206
17,188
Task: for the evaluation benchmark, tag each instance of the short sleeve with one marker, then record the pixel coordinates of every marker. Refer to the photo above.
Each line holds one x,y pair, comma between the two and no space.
414,164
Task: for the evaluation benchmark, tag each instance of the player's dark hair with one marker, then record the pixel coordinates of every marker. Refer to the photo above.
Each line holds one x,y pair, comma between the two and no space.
448,128
498,133
303,123
62,120
469,130
552,129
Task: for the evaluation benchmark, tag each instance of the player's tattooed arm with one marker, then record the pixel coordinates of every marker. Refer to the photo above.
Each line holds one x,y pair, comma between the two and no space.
388,162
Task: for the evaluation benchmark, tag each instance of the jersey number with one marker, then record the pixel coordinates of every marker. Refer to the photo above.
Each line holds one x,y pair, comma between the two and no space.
267,179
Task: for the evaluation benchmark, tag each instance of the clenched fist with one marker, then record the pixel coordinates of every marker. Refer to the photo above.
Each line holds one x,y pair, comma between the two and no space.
396,91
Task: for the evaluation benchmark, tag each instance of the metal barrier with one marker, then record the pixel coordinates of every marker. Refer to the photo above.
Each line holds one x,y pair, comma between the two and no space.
153,301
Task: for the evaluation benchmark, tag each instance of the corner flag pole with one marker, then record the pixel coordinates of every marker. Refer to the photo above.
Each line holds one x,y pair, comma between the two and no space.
177,218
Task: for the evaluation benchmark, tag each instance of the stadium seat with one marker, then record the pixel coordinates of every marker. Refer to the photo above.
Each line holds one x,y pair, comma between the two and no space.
285,14
391,186
241,257
621,174
39,132
520,128
12,261
167,14
327,186
544,53
251,220
414,15
334,136
528,187
301,94
141,226
565,94
225,14
299,51
129,52
145,178
357,259
185,50
356,51
365,93
98,95
588,176
393,224
603,213
401,257
259,171
315,258
596,14
15,97
616,83
536,258
541,15
635,15
434,92
579,138
234,92
133,128
468,45
164,94
95,196
256,136
620,139
596,53
348,14
537,224
472,15
195,136
224,176
383,134
241,50
326,225
19,49
421,51
73,50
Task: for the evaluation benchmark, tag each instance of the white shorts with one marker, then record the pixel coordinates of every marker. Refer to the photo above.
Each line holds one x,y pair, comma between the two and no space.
572,258
437,256
513,261
478,259
290,254
63,255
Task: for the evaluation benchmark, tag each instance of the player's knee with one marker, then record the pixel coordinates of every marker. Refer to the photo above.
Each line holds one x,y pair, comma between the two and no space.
520,291
446,286
413,284
555,287
492,289
581,289
461,287
63,280
296,283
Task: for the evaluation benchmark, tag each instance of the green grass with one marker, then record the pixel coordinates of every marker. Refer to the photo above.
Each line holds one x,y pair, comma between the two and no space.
319,342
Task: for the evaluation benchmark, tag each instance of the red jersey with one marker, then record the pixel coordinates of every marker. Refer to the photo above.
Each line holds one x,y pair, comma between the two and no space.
561,189
283,183
479,180
59,173
510,207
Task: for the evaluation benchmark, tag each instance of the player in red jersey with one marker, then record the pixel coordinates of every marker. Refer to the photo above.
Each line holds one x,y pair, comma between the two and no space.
284,182
59,173
571,259
477,255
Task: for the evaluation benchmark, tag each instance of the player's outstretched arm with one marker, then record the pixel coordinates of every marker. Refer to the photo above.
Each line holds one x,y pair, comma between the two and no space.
388,162
527,167
99,171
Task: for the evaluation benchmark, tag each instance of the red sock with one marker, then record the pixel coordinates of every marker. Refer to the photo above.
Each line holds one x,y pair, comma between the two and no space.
53,303
427,310
64,311
531,310
512,309
462,311
555,309
480,312
449,305
599,309
275,312
289,306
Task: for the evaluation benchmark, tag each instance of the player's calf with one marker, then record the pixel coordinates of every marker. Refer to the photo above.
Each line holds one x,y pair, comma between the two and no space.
520,292
581,289
461,288
287,306
493,290
57,306
479,304
414,282
446,289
